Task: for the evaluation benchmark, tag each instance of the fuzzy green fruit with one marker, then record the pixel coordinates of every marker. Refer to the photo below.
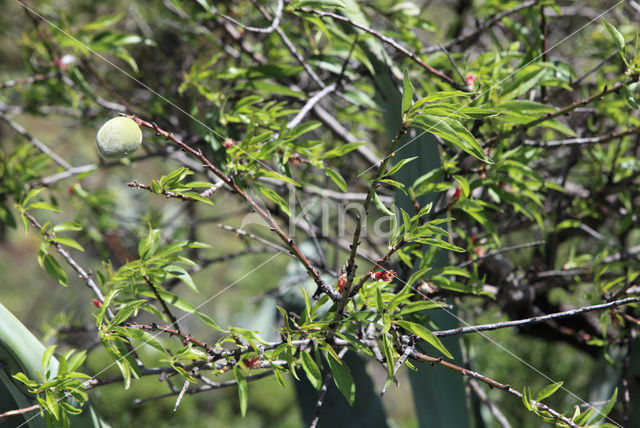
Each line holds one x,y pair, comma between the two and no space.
118,138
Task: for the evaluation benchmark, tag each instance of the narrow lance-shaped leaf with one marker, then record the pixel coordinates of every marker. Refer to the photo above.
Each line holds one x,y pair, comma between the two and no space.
617,37
311,369
425,334
242,389
407,92
343,379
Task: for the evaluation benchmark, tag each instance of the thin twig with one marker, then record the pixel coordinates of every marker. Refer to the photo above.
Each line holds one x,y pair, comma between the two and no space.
493,384
582,141
481,28
207,387
500,251
35,142
320,401
70,260
181,394
167,193
536,320
311,102
257,238
22,411
391,42
323,391
274,24
263,212
165,308
351,267
560,112
484,399
406,354
28,80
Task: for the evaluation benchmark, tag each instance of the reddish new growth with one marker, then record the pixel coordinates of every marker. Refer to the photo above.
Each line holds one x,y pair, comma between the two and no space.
470,80
383,275
456,195
342,281
97,303
252,363
228,143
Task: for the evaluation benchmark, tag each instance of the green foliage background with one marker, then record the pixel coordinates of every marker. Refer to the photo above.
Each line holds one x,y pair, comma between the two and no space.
247,86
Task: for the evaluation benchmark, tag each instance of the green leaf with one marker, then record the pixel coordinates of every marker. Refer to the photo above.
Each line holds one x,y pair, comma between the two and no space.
311,369
607,408
342,378
337,178
277,176
41,205
76,361
582,419
616,35
548,391
144,337
242,390
32,194
464,185
425,334
275,197
438,96
399,165
421,306
126,311
452,131
526,398
67,226
320,4
302,129
51,265
378,203
342,150
407,92
52,404
149,244
417,275
174,300
102,23
184,276
68,242
46,356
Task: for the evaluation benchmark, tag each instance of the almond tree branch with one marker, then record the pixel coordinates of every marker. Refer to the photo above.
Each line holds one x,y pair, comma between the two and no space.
35,142
493,384
481,28
484,399
562,111
207,387
274,24
167,193
320,401
322,393
536,320
580,141
70,260
16,412
165,308
28,80
388,40
500,251
263,212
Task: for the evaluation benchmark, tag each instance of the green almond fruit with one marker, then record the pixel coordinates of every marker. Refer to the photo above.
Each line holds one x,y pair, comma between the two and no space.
118,138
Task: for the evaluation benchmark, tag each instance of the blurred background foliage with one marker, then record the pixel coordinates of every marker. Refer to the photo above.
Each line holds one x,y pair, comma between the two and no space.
151,52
